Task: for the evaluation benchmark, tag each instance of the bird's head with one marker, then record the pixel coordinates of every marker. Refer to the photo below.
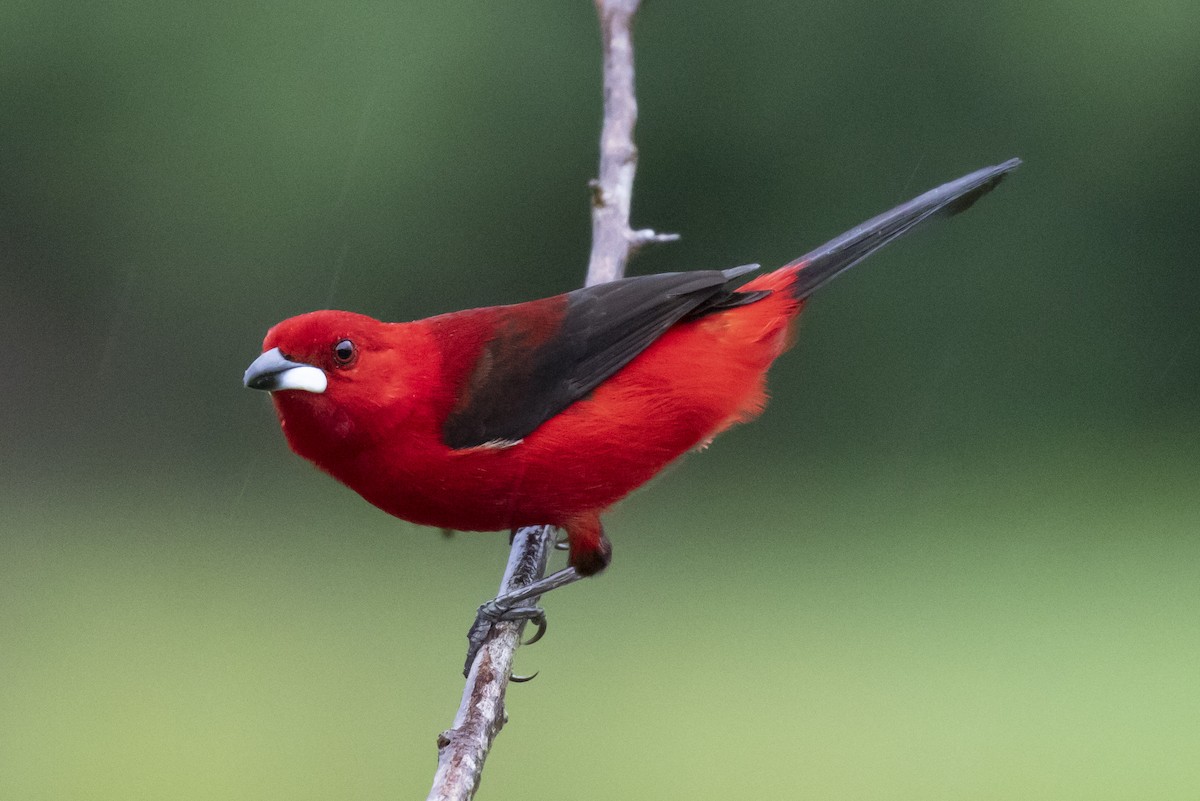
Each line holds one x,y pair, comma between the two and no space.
333,375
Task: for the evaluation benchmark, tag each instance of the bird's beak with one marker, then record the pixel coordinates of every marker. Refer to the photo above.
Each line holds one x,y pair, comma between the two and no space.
272,372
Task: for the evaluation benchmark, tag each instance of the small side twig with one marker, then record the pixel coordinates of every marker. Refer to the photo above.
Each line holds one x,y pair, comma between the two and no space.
463,748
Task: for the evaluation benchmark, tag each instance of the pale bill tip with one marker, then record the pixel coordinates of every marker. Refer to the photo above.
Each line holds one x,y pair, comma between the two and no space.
305,377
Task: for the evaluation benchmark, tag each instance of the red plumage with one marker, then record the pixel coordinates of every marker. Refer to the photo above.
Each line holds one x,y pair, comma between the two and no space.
378,426
549,412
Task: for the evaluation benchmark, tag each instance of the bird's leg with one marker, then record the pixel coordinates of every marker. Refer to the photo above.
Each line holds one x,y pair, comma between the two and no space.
590,549
518,605
590,553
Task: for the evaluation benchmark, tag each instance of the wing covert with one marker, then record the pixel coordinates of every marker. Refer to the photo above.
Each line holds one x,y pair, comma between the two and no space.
545,355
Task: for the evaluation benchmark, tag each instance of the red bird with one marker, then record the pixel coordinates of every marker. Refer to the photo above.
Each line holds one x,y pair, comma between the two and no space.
551,411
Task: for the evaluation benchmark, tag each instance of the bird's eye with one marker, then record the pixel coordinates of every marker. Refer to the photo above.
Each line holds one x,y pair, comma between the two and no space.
344,353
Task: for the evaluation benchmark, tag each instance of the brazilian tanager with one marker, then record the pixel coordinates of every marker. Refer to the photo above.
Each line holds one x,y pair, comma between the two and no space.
551,411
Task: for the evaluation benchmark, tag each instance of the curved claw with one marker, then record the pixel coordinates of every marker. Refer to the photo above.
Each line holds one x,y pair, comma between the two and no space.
515,679
562,545
540,622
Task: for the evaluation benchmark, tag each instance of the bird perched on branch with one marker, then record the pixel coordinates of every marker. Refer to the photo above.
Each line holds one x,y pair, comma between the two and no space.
551,411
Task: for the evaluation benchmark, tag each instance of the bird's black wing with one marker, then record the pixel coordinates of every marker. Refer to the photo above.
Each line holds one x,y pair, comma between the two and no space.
540,361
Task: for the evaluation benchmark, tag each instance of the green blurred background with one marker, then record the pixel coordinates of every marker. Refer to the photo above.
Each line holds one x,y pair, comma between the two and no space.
957,557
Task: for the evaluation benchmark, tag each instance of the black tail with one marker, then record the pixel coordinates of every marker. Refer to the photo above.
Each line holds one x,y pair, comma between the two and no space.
840,254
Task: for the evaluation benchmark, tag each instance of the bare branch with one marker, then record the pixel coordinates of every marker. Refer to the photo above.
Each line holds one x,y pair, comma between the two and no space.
481,714
463,748
612,193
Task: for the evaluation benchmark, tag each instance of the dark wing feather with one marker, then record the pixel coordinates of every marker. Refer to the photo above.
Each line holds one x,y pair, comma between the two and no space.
526,375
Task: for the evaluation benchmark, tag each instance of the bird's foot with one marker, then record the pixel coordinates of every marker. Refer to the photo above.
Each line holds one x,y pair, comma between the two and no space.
495,611
517,605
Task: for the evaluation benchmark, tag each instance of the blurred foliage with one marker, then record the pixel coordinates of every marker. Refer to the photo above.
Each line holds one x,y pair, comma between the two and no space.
964,555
